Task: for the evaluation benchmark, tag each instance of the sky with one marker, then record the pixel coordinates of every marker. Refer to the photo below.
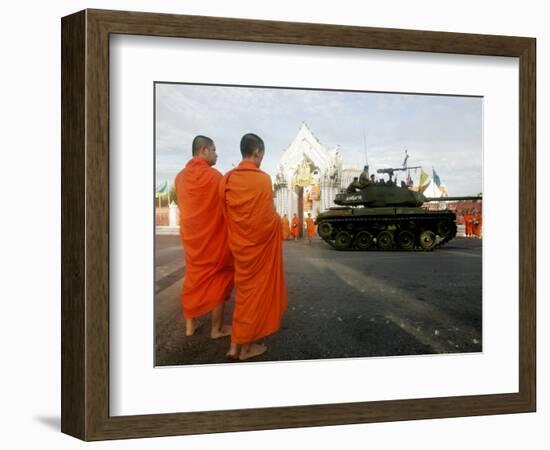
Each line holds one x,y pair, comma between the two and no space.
439,132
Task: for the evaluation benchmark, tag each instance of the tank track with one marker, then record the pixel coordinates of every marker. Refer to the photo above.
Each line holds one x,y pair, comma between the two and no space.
416,224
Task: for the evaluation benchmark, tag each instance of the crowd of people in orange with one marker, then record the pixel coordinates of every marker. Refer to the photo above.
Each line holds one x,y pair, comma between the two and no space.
472,223
291,230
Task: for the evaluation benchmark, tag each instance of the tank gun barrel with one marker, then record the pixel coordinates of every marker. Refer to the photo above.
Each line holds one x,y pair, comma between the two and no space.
391,170
450,199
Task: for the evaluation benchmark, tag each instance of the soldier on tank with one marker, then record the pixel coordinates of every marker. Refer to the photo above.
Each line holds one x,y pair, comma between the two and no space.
354,186
359,183
364,179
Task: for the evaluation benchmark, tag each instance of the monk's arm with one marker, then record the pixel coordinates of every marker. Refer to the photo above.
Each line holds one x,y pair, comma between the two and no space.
267,191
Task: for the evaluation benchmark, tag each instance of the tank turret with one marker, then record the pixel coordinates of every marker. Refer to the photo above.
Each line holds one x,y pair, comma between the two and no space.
386,194
384,216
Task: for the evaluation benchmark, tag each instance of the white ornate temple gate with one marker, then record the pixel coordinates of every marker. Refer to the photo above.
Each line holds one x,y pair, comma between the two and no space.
308,176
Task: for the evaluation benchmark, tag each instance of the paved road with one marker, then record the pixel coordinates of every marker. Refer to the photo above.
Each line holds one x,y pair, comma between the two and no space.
343,304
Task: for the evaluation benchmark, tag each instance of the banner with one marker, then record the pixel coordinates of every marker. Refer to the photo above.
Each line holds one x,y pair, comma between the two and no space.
437,181
423,177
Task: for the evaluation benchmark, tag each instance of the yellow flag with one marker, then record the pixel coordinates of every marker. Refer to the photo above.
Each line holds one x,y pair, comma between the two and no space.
423,177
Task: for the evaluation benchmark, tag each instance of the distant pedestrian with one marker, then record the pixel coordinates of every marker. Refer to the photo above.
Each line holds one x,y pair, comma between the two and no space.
295,227
286,227
469,223
476,226
311,228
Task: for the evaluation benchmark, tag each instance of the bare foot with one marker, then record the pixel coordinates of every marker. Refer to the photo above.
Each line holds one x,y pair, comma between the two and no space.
251,351
225,330
233,351
191,325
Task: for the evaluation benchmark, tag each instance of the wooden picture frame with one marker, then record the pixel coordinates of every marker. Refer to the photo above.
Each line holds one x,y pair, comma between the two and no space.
85,224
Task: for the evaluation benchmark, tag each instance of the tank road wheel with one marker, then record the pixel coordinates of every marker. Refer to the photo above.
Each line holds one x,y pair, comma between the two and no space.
444,228
364,240
325,230
427,240
343,240
384,240
405,240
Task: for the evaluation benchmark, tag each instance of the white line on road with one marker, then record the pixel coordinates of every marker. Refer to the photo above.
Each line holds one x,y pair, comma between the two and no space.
393,306
458,252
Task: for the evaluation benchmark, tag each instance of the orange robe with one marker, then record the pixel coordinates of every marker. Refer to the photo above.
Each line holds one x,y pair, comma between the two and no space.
209,267
476,228
295,227
468,220
286,228
255,238
311,228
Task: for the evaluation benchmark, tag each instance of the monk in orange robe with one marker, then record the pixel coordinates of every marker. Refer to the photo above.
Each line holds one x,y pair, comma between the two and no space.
209,268
476,227
285,227
255,239
468,221
311,228
295,227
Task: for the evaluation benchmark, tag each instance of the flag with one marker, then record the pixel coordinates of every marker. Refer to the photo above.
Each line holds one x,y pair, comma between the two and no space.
437,181
423,177
161,187
406,158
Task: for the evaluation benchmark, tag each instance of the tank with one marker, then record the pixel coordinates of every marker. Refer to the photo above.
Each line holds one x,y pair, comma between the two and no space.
384,216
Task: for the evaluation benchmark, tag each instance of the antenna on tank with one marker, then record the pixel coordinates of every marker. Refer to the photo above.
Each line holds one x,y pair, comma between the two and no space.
365,148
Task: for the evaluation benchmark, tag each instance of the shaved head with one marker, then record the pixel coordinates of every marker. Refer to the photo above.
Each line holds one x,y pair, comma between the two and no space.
251,142
201,142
